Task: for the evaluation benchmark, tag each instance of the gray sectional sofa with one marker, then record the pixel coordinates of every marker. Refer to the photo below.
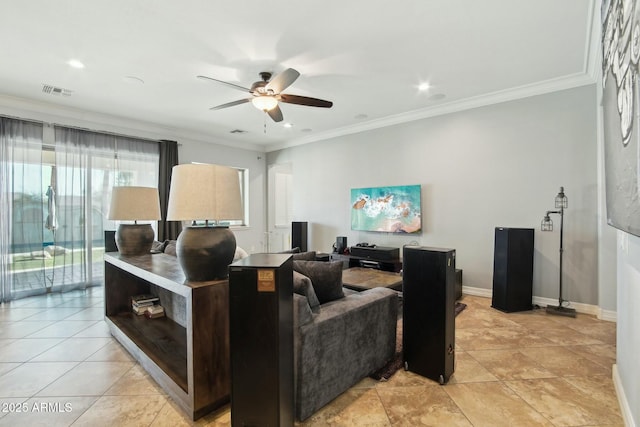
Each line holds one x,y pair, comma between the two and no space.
339,342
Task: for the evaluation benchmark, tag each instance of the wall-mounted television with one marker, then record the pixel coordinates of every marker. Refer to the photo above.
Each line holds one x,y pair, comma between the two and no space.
394,209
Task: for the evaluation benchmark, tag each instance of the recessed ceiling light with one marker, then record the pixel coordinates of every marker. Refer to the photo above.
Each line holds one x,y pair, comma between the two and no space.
288,125
423,87
75,63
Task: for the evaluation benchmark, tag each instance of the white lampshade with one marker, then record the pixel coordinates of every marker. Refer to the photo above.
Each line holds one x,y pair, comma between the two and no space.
134,204
264,102
204,192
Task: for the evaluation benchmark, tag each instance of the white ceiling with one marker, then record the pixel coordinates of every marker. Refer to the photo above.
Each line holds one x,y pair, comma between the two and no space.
368,57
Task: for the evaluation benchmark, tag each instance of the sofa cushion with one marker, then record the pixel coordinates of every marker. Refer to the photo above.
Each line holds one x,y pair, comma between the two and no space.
302,286
304,256
326,278
295,250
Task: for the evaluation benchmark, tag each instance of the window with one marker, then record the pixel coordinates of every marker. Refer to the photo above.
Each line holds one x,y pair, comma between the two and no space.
243,176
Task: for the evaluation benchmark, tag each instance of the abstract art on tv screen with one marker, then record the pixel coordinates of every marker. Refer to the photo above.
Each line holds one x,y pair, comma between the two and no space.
620,100
393,209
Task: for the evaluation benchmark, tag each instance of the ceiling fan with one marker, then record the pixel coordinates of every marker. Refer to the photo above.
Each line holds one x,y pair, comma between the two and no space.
267,93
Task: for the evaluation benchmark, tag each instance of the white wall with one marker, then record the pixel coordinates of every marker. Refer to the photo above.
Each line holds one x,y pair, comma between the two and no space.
628,333
499,165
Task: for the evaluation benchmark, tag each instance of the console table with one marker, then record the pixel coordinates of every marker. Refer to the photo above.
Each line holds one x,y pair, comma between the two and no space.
186,352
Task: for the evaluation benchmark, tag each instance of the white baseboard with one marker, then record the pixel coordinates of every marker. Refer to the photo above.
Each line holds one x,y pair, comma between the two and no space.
625,409
594,310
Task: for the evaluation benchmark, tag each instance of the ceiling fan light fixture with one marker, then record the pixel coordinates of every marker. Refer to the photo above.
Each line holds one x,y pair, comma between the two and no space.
264,102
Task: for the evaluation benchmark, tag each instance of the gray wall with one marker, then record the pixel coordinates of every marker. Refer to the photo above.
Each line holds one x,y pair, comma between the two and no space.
499,165
628,333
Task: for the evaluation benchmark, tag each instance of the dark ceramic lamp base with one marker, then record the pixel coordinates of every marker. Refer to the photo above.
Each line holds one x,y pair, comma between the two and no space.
205,252
134,239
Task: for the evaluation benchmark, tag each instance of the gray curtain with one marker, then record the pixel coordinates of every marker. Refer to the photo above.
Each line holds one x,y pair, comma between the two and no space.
167,230
22,208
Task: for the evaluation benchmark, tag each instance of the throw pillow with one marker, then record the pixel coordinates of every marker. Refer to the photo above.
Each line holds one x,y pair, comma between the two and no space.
326,278
170,248
302,286
305,256
240,254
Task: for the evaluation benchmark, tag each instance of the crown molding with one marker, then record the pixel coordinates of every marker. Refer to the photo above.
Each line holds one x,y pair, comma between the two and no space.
525,91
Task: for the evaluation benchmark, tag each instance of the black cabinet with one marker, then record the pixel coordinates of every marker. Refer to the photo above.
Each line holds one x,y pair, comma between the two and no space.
428,331
261,340
513,269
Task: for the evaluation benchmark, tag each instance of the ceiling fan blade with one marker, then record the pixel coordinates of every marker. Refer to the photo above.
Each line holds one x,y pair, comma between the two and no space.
282,80
231,104
244,89
305,100
276,114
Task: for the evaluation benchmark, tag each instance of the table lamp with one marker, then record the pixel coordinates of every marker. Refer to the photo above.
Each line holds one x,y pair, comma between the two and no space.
134,204
205,192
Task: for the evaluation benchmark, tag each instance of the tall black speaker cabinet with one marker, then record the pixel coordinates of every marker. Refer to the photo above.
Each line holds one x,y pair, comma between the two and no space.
261,340
513,269
299,235
428,311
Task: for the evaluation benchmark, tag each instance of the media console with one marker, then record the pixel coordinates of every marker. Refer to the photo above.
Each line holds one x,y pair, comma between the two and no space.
186,352
378,257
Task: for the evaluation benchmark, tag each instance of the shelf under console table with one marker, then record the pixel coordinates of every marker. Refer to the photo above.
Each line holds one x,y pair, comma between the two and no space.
187,351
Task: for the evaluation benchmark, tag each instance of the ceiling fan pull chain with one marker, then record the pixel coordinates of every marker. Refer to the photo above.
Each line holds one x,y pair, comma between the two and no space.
265,122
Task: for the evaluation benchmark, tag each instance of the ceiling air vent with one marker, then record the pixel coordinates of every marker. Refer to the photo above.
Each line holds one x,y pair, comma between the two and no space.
238,131
55,90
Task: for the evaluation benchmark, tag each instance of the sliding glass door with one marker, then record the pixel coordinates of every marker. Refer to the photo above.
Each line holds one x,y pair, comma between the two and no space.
56,191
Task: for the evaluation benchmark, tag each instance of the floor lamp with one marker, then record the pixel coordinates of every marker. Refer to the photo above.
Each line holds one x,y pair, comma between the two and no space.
547,225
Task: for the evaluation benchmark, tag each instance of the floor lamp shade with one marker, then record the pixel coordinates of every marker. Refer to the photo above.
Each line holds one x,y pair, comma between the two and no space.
134,204
205,192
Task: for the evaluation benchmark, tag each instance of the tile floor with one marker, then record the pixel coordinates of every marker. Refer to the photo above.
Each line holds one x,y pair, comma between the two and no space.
60,367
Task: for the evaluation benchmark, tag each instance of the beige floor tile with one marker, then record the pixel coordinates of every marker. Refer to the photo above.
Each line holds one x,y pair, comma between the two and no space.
6,367
510,364
49,412
494,404
22,350
87,379
604,355
112,352
99,329
421,406
122,411
72,349
22,328
468,370
29,378
498,338
602,389
135,382
404,378
11,314
568,336
93,313
483,318
602,331
564,404
54,313
355,407
62,329
172,416
563,362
